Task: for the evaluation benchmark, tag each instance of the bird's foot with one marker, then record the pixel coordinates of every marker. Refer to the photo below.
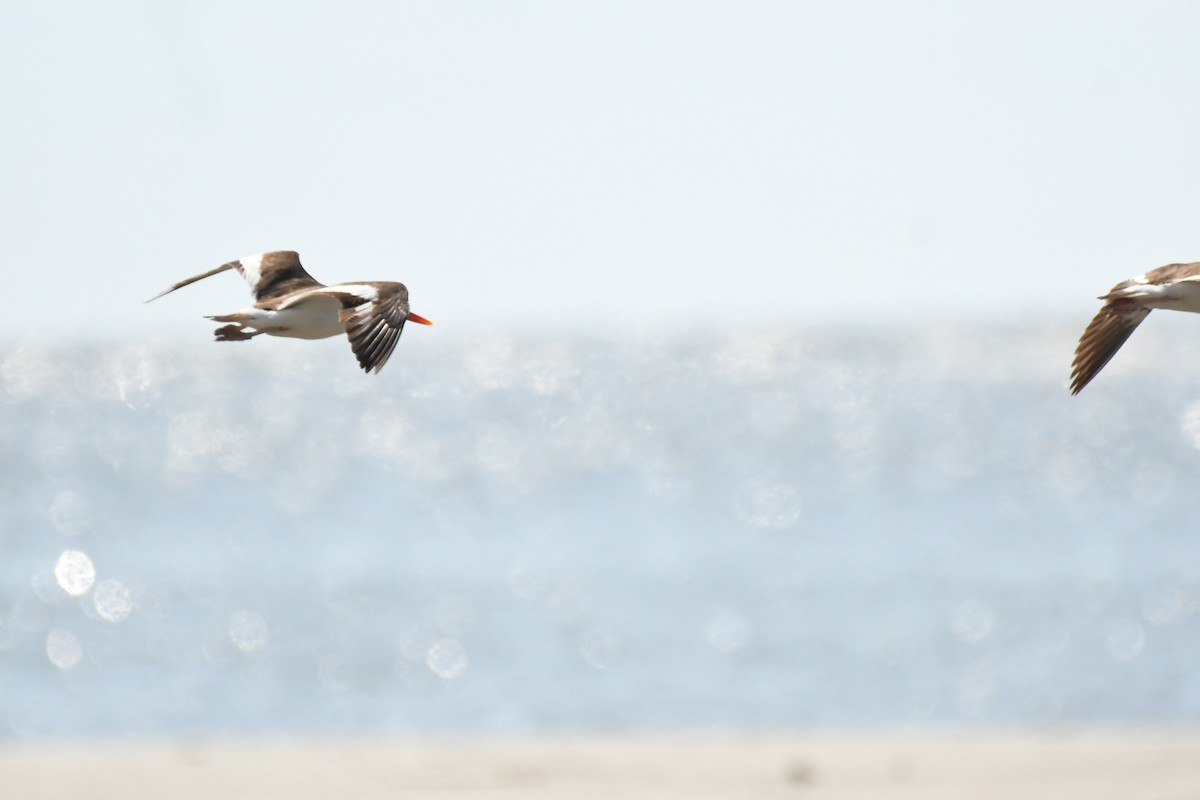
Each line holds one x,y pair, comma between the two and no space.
233,333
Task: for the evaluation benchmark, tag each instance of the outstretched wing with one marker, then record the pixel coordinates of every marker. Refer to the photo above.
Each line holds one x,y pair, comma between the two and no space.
275,274
1103,337
374,314
270,275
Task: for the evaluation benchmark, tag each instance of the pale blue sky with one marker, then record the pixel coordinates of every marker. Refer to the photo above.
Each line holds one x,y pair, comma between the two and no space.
596,163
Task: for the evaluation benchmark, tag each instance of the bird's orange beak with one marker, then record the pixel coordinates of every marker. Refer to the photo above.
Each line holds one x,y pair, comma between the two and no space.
418,319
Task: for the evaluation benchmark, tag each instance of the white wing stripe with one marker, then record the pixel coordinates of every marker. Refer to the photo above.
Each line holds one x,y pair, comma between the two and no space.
252,270
358,290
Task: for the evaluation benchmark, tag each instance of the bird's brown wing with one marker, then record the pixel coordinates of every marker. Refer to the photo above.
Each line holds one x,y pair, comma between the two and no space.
270,275
275,275
1102,338
374,325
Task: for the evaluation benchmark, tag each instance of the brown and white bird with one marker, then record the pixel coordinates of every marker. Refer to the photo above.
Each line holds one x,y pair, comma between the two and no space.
290,302
1175,287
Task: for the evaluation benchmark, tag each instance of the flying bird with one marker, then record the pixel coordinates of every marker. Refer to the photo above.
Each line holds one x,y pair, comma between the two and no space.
1175,287
290,302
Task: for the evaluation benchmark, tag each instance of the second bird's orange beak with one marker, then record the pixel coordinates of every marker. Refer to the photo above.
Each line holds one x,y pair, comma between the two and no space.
418,318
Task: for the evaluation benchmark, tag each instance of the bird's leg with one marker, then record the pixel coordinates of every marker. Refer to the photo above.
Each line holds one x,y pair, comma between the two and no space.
234,333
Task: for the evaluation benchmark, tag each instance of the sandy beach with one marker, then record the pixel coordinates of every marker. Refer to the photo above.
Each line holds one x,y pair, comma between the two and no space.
1095,765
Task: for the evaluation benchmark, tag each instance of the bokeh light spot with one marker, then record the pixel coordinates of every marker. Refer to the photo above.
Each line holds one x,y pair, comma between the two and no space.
248,631
113,600
63,649
70,514
447,659
74,572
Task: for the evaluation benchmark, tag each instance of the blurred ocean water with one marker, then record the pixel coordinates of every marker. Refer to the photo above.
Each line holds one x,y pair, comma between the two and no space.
798,528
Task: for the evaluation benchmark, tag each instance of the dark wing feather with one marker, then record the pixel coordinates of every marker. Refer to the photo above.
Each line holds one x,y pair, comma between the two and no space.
1103,337
279,274
374,326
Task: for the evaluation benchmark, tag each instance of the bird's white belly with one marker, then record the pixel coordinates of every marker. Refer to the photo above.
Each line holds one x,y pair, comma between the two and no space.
1187,297
312,318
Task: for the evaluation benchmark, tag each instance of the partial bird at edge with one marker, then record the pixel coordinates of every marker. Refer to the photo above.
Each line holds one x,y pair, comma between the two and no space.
1175,287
